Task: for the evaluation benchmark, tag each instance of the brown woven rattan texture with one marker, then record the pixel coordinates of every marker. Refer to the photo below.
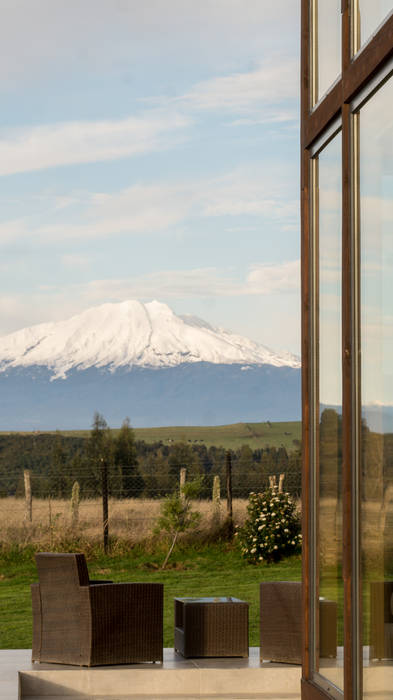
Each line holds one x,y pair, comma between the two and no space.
211,627
281,623
381,619
76,622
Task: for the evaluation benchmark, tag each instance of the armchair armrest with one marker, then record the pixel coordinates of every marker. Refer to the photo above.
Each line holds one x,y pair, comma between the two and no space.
122,596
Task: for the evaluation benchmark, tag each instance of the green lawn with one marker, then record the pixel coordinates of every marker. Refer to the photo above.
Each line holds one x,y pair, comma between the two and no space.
209,571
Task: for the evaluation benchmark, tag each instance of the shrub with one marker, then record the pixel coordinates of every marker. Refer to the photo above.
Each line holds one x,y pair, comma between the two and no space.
176,514
272,528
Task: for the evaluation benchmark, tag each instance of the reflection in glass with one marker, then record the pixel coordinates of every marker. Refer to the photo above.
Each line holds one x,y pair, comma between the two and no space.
369,15
329,444
376,235
328,44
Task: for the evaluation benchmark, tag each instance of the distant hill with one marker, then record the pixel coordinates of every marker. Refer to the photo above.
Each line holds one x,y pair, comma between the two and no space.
256,435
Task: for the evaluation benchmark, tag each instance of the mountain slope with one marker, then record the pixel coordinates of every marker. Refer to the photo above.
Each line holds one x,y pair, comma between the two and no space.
130,334
189,394
145,362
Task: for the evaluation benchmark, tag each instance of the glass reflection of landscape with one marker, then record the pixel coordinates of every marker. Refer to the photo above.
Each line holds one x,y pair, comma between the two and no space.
376,230
329,621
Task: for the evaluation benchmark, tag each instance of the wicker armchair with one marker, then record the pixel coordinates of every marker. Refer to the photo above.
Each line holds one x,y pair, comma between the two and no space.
92,623
281,623
381,619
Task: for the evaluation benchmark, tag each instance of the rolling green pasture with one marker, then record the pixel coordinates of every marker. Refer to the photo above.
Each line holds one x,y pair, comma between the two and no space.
256,435
214,570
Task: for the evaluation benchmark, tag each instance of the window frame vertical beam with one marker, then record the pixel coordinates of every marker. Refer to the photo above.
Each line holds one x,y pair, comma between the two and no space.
305,328
357,73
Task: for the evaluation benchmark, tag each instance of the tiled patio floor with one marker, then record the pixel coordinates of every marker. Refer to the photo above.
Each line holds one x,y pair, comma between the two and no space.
177,678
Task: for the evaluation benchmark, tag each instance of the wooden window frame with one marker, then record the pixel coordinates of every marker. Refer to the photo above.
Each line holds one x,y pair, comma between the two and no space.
357,73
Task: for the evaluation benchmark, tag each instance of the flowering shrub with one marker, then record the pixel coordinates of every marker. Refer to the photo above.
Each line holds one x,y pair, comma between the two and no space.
272,529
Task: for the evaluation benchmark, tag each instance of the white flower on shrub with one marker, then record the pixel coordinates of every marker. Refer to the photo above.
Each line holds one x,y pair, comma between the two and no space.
271,530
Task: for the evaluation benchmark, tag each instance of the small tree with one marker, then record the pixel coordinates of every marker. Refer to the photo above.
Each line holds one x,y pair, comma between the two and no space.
132,483
101,455
272,529
176,515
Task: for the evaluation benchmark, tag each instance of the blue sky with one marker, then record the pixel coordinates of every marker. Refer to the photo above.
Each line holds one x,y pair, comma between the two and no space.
151,150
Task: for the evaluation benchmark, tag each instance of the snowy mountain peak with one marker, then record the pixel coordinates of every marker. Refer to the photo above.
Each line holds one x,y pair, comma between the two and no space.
131,333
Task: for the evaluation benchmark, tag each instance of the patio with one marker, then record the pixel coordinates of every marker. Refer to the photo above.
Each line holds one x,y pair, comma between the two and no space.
230,678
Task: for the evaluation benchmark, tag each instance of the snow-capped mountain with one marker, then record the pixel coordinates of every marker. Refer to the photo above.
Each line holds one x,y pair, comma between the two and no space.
145,362
130,334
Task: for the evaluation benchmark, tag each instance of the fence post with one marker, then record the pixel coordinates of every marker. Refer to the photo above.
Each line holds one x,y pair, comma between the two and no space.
50,522
216,500
229,492
75,496
272,482
28,496
183,472
281,483
216,491
105,523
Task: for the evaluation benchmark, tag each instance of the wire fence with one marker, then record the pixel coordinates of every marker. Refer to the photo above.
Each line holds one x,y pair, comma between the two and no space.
126,483
100,500
51,485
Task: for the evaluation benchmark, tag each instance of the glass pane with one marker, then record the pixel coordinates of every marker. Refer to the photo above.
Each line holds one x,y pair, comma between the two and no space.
329,635
328,44
370,14
376,217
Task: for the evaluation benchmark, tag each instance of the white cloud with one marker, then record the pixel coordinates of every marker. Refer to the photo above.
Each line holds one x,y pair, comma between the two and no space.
203,282
14,229
154,208
269,279
266,94
261,95
257,194
73,260
25,149
48,303
271,83
44,39
263,279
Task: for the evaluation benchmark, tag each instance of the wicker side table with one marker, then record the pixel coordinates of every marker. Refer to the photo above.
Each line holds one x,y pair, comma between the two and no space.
211,627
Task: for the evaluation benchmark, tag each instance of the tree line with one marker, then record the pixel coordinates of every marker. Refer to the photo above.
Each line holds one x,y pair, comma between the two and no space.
135,468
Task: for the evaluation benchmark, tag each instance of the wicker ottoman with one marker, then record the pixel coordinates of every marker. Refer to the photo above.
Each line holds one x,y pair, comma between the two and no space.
211,627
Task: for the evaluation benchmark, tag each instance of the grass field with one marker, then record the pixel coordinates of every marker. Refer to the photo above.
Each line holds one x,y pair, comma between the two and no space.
131,521
256,435
212,570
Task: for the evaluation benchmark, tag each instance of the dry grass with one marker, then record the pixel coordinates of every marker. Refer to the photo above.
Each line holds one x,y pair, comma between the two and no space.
376,531
130,521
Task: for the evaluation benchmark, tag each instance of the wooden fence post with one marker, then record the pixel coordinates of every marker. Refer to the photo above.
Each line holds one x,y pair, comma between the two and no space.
216,491
229,492
216,500
28,496
183,472
75,497
105,521
272,482
281,483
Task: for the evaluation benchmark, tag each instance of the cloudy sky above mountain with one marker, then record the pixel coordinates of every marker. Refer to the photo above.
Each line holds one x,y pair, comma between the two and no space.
150,150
